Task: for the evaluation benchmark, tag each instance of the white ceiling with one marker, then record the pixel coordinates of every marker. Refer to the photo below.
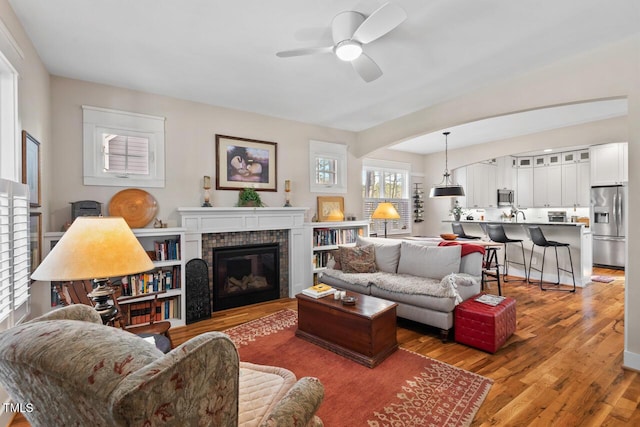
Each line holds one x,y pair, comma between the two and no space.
223,52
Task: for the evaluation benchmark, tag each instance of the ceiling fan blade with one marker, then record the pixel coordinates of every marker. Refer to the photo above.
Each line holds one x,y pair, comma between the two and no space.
380,22
304,51
366,68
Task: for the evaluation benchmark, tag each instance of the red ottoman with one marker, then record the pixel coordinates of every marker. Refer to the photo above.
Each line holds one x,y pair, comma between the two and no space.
483,326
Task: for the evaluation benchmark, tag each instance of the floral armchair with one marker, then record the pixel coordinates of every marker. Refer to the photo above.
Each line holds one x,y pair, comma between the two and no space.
76,372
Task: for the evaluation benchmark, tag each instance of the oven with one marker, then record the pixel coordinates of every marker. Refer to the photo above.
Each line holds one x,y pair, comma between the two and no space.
557,216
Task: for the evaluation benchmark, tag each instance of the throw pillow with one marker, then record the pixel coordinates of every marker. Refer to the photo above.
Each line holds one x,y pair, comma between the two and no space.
387,252
429,261
334,260
358,259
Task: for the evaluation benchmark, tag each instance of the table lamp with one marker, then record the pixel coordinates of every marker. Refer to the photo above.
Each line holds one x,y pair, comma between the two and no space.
335,215
385,211
95,248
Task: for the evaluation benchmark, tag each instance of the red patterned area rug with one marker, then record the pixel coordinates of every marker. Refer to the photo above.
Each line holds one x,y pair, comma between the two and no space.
406,389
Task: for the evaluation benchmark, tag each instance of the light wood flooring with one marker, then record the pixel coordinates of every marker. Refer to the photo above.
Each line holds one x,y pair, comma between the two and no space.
562,367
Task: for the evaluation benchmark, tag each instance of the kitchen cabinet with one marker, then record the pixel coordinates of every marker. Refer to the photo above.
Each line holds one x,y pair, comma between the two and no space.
524,162
479,182
547,191
609,164
505,173
524,190
547,160
576,181
547,175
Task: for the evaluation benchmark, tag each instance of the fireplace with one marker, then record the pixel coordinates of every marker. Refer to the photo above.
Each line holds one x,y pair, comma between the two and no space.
245,274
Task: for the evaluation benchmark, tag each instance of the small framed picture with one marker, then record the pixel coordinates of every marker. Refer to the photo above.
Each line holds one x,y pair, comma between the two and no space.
35,239
31,168
330,208
242,163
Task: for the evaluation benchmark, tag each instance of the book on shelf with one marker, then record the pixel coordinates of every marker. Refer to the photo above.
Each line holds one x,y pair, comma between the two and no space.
167,250
144,283
141,312
332,236
318,291
489,299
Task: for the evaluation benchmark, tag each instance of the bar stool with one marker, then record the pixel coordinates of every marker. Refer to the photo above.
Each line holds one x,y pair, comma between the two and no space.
538,239
496,233
457,229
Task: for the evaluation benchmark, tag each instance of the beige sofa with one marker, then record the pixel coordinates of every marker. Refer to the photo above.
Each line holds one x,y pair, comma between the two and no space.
426,280
73,371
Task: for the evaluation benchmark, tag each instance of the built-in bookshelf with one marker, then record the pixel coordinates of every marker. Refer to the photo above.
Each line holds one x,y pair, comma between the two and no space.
166,281
322,238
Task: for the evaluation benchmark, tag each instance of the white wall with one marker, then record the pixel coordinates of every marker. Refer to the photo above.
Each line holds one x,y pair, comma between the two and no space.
190,130
34,112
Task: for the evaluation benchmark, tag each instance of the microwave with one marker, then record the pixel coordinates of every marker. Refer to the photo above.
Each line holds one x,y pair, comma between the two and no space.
506,197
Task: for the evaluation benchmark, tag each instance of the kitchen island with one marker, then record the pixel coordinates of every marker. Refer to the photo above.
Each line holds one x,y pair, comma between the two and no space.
577,234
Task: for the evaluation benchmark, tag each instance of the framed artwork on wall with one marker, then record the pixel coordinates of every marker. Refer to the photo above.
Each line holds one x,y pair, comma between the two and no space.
31,168
35,239
330,208
242,162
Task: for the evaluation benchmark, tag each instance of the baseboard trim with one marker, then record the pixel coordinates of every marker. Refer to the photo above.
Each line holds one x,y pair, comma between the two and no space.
631,361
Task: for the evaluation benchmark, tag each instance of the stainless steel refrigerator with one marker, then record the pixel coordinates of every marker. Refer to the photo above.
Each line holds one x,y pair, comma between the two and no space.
607,225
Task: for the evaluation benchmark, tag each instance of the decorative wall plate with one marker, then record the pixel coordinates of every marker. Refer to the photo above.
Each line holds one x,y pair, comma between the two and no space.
137,207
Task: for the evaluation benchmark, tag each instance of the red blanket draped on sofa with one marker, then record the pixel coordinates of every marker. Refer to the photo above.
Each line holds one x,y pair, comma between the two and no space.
467,248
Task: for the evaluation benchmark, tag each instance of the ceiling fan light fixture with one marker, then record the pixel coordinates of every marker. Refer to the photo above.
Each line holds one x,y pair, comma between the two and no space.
348,50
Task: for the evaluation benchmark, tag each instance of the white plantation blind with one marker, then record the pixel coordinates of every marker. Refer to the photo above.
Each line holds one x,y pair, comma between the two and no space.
387,181
126,155
14,253
394,226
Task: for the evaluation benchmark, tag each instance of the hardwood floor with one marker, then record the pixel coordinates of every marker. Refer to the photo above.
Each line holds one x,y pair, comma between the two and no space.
562,367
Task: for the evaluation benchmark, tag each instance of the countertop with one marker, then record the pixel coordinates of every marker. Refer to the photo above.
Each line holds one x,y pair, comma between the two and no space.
545,223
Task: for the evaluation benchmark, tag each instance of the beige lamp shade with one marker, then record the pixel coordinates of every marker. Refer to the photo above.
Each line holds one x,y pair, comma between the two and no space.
93,248
385,210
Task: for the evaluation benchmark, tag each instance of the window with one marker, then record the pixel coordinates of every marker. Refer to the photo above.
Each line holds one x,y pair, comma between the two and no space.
125,155
122,149
14,201
14,253
11,156
387,181
328,167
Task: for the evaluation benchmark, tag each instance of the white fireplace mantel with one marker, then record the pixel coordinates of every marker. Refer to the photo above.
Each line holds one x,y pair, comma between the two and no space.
199,221
221,220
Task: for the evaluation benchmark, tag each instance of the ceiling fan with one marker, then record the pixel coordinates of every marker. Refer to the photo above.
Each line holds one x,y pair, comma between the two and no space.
351,30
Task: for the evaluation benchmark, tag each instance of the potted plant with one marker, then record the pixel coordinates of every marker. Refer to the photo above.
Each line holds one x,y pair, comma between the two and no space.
248,197
457,211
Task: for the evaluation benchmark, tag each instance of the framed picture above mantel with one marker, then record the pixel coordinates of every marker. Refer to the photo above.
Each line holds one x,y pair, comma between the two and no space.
242,162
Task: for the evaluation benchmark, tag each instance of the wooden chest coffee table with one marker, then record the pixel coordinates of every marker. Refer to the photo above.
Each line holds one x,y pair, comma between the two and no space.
364,332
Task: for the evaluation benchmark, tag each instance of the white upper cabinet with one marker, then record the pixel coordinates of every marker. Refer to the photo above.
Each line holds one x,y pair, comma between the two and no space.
479,182
547,160
576,181
609,164
524,190
524,162
546,189
505,173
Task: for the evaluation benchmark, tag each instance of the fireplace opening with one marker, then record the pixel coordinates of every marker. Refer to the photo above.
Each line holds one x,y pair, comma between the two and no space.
245,275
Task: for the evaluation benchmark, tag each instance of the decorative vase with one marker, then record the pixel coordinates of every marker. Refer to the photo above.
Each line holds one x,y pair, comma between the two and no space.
456,217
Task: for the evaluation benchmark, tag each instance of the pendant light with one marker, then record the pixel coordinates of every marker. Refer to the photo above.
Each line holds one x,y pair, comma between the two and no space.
446,188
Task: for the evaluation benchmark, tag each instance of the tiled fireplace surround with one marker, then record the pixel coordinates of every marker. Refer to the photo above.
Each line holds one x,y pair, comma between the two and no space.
209,228
210,241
